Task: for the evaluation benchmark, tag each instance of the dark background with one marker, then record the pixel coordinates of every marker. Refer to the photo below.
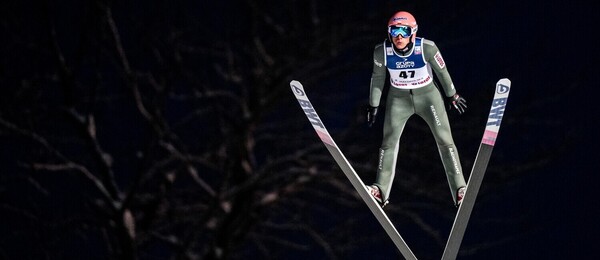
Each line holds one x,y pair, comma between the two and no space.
167,130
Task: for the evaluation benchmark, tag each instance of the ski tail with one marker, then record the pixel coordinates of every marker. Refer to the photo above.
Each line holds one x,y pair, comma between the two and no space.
479,167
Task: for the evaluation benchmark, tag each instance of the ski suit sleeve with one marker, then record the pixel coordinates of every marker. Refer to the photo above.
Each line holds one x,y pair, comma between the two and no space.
433,56
378,76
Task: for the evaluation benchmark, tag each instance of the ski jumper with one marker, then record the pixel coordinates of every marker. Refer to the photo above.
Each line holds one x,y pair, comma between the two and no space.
413,91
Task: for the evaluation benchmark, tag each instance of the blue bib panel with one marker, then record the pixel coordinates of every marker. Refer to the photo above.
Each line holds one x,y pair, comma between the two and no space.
410,71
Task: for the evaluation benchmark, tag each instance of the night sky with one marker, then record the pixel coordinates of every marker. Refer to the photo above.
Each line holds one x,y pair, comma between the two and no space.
549,210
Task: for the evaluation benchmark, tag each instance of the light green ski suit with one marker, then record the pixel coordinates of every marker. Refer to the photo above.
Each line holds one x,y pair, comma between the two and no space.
413,91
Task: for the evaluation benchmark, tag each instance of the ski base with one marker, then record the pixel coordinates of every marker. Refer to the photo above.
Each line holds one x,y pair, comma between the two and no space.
481,162
343,163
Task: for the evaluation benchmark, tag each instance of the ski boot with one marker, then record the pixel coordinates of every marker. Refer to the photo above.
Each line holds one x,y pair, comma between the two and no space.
460,194
376,193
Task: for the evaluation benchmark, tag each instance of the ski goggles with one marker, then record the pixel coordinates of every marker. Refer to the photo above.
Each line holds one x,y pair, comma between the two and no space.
400,30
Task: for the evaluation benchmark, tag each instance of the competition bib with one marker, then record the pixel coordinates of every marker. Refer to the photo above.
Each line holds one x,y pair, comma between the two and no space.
407,72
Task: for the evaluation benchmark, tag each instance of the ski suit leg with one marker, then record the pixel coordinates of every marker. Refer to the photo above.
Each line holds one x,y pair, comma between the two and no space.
399,107
430,106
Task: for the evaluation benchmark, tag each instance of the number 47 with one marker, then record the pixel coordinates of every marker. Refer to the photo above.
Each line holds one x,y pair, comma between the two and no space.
404,73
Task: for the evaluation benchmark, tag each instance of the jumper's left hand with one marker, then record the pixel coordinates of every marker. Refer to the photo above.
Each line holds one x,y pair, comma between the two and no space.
458,102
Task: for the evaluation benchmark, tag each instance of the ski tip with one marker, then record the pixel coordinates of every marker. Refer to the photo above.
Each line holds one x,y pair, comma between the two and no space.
503,87
297,88
295,82
504,81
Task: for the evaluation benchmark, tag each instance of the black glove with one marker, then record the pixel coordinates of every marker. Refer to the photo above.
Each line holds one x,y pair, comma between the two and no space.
371,114
459,103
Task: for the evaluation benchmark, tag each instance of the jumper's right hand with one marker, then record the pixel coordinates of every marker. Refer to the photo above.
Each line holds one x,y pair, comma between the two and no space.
371,114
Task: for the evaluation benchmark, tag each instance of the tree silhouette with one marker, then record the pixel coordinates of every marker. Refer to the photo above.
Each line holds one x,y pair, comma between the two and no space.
167,130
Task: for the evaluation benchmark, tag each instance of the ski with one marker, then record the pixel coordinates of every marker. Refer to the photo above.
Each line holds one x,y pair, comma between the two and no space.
343,163
481,161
